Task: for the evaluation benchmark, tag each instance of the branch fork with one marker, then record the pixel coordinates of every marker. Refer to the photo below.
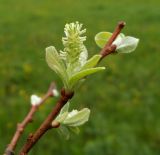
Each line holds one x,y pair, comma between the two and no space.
28,119
110,47
47,124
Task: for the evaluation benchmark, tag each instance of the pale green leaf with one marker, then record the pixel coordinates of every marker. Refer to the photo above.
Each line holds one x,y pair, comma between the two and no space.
64,132
63,113
75,130
119,39
127,45
55,63
78,119
65,108
80,75
101,38
92,62
61,117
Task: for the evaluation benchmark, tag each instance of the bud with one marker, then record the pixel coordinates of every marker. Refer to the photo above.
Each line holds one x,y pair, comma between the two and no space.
55,92
35,100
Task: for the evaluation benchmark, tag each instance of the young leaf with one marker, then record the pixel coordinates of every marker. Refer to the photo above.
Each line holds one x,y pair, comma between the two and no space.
92,62
55,63
102,38
63,113
65,108
119,39
78,119
62,117
76,77
76,130
63,131
127,45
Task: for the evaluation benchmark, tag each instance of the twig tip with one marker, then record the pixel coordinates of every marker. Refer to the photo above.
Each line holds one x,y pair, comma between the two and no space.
121,24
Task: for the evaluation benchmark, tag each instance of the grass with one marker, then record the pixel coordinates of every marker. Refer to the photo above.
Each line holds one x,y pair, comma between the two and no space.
124,99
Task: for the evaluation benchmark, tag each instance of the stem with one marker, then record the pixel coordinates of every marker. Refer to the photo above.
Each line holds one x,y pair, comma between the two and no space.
46,125
28,119
109,48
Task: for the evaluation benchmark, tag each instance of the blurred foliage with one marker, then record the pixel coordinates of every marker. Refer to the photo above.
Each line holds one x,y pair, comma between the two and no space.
124,99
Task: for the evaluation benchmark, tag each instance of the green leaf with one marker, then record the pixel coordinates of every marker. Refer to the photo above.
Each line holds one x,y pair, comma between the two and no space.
75,130
78,119
55,63
80,75
102,38
65,108
62,117
63,113
91,62
64,132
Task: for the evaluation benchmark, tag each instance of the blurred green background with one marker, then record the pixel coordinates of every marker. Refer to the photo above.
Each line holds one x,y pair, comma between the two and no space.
124,99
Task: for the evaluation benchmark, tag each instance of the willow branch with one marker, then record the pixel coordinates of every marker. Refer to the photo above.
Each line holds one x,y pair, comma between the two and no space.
28,119
65,96
46,125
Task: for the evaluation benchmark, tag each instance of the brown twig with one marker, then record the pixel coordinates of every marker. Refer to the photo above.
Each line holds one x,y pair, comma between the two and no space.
29,117
46,125
109,47
65,96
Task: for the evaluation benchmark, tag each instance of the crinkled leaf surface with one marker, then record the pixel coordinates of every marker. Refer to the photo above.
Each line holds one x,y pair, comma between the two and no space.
80,118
